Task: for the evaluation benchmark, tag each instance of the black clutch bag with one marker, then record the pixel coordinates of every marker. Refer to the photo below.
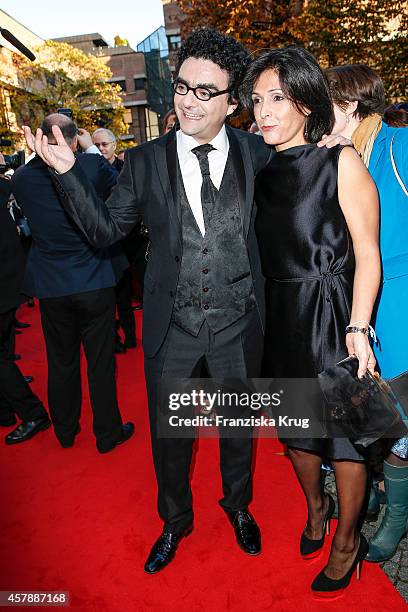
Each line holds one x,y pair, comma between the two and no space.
363,410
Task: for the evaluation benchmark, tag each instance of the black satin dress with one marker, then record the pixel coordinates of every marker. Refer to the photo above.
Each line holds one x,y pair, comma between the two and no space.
307,259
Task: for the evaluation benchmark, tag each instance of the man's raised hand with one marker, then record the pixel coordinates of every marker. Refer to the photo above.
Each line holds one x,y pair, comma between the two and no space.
58,156
331,140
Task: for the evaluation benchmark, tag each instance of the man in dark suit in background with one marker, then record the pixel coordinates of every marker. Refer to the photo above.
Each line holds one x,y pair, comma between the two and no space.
75,286
15,393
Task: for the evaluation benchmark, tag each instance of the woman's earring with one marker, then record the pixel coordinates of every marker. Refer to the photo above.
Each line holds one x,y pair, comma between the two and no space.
347,119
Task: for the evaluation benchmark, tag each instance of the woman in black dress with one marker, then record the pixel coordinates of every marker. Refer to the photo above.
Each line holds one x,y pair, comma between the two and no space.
317,228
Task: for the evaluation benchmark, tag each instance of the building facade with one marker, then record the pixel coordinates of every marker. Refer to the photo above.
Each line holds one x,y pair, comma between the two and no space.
129,72
9,80
173,18
159,90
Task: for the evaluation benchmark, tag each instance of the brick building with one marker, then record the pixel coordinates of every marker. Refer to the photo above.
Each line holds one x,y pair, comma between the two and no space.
172,23
129,71
8,73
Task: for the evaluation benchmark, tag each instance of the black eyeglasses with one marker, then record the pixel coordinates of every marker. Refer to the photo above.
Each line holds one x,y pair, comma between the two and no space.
201,93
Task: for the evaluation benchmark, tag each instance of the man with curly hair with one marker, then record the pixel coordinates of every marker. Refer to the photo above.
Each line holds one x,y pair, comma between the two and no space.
204,300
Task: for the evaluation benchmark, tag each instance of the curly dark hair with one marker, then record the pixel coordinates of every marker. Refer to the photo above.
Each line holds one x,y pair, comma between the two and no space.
301,80
223,50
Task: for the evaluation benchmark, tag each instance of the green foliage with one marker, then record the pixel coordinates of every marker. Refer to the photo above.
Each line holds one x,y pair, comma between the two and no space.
337,31
63,76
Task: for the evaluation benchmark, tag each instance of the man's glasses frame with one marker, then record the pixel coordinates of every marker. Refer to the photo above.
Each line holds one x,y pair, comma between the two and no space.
103,144
201,93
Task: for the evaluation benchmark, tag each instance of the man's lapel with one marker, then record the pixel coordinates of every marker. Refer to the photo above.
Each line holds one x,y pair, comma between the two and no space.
165,151
244,172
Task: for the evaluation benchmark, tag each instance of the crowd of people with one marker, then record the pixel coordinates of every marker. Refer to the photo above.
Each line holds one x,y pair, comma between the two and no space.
281,275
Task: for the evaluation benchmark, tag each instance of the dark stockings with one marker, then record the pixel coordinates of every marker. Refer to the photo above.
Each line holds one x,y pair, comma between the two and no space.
351,480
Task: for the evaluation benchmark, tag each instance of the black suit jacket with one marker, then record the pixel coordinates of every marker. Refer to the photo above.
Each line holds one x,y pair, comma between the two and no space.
61,260
12,259
147,188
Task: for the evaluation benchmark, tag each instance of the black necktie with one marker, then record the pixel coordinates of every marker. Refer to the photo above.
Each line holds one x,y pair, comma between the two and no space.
208,190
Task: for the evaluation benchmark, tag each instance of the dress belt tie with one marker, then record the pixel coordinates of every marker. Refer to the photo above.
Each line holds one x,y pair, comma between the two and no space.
326,277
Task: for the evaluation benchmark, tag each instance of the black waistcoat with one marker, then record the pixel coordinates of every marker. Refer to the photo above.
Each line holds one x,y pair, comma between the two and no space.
215,281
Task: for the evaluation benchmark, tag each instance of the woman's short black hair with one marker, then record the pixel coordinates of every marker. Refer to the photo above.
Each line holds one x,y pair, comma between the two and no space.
223,50
302,81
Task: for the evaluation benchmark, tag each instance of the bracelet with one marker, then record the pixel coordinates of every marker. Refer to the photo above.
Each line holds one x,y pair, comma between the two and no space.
352,323
351,329
367,331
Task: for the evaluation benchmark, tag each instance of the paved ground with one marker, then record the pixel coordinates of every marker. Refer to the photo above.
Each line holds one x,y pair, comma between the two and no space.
396,568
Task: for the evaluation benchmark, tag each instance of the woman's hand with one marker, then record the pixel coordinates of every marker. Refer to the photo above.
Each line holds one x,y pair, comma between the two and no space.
359,345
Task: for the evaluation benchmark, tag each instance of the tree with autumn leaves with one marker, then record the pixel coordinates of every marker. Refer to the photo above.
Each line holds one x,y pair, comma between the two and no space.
372,32
63,76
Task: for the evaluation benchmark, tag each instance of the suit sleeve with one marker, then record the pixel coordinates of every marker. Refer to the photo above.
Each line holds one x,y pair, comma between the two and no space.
108,177
102,223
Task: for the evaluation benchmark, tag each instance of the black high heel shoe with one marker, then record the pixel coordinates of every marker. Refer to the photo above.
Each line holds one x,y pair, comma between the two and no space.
311,549
323,586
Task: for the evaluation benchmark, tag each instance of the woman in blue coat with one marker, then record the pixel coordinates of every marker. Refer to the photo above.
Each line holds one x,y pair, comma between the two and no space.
359,101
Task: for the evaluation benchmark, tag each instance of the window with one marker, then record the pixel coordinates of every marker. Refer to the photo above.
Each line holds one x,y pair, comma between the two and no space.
174,42
139,84
121,83
152,124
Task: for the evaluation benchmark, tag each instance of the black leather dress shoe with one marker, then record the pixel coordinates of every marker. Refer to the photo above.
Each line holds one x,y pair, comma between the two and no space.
128,429
8,421
164,550
246,531
20,324
27,430
29,379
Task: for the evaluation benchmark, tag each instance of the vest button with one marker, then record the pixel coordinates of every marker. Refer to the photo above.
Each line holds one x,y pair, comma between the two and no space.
205,251
177,258
205,271
205,289
206,306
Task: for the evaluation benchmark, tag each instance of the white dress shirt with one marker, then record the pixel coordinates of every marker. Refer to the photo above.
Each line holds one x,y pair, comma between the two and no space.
93,149
191,173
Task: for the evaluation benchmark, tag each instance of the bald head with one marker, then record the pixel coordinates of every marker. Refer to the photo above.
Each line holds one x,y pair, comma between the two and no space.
67,126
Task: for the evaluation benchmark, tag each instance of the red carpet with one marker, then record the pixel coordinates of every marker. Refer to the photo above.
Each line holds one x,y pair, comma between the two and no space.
78,521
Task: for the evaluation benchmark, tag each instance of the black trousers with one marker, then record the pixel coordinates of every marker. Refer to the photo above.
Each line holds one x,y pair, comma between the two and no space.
235,352
87,318
124,304
15,393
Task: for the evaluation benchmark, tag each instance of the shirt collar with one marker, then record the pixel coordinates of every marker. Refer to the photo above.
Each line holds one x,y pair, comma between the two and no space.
186,143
